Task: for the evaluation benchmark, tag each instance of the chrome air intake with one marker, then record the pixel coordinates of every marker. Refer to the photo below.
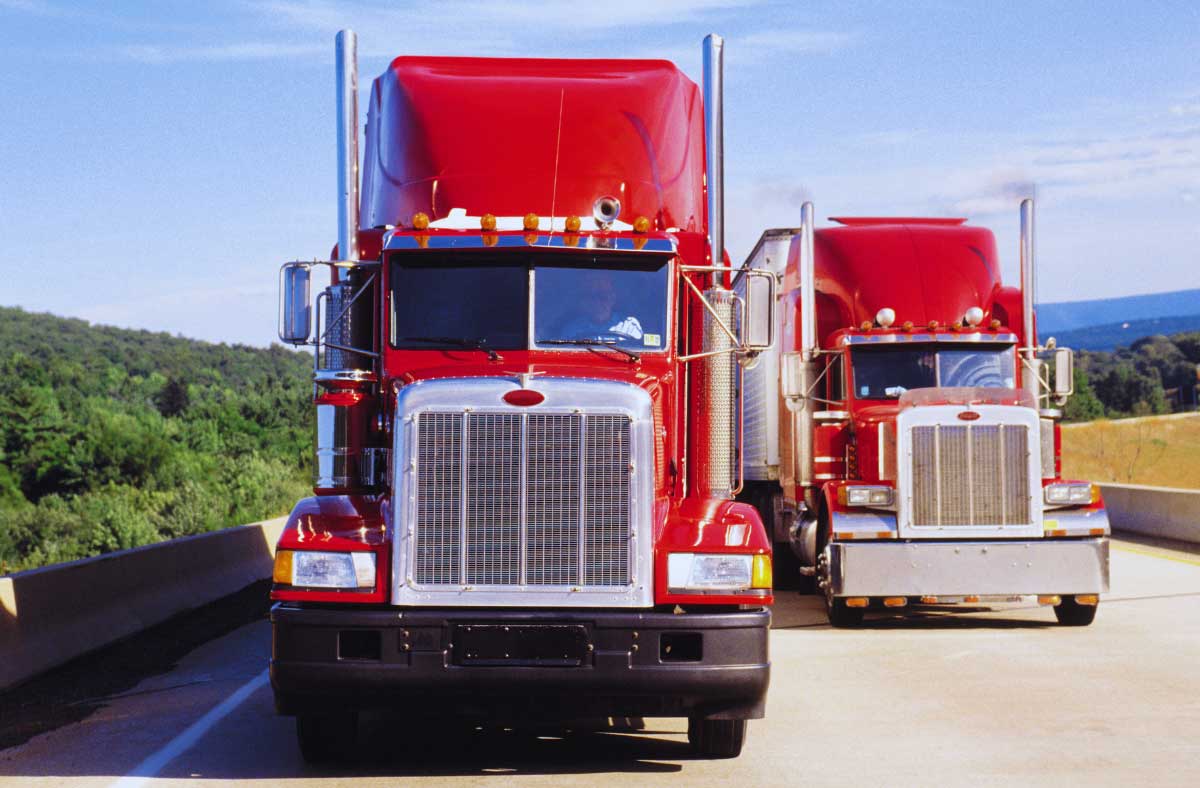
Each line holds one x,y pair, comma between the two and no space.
505,505
716,399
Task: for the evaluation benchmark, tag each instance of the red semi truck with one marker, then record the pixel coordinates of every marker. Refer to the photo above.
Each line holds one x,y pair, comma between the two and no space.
526,422
902,435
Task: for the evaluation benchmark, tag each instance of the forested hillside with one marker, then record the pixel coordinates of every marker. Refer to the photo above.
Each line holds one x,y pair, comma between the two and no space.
1155,374
111,438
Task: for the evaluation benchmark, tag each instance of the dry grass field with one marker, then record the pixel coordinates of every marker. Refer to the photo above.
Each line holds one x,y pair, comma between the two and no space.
1159,450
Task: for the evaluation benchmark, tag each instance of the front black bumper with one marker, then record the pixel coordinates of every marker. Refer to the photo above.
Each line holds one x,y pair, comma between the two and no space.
607,663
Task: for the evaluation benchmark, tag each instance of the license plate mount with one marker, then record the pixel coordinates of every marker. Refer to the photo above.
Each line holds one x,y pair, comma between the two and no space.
521,645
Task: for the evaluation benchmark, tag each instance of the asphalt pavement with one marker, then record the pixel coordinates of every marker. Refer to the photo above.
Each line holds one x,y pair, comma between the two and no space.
986,696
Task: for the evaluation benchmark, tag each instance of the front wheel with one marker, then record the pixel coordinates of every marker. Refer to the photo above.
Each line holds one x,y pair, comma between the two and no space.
839,614
716,738
326,738
1072,614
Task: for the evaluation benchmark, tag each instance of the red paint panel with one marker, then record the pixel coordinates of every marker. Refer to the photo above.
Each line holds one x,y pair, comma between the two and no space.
514,136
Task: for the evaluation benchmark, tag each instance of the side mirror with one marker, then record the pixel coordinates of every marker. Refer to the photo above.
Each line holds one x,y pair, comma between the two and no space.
791,375
758,334
295,303
1064,372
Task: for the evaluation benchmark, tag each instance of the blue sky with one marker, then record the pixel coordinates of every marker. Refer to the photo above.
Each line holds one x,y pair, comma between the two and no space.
160,159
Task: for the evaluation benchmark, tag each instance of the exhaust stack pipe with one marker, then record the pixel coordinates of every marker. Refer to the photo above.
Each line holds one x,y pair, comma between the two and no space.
714,143
347,143
714,440
808,347
1030,371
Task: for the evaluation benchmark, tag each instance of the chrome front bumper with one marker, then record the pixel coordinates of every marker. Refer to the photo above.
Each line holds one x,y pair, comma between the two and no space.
994,568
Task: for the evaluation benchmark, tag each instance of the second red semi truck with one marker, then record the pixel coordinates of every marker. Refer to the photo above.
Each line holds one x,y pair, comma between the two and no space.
526,411
902,434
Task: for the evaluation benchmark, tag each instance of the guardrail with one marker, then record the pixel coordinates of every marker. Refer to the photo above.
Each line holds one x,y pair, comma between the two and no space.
51,615
1163,512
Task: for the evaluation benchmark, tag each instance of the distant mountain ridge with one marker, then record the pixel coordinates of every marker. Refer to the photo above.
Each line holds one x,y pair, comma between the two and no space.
1110,336
1057,317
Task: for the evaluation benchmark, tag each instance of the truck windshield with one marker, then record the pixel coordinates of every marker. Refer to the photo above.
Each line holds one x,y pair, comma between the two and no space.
467,301
886,373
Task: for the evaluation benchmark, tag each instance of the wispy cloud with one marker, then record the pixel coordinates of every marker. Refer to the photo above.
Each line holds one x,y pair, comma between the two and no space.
521,14
814,42
254,50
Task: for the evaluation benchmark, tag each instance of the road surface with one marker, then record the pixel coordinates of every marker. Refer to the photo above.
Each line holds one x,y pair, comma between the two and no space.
988,697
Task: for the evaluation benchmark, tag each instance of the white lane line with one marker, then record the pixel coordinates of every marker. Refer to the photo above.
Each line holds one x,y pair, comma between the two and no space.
184,741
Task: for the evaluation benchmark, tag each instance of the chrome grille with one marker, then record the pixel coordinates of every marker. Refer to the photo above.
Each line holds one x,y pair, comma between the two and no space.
970,475
532,499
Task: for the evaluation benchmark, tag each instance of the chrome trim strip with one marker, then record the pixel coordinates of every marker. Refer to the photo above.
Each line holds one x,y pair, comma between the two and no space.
583,243
884,339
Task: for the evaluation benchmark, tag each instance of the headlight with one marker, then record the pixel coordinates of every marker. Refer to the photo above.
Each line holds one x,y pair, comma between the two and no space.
313,569
1070,494
865,496
718,572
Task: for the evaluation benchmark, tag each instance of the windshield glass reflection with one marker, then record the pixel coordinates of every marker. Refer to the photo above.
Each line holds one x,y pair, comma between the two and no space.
452,302
886,373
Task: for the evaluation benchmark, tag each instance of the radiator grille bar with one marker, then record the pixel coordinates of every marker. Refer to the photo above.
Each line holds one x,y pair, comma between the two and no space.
970,475
508,499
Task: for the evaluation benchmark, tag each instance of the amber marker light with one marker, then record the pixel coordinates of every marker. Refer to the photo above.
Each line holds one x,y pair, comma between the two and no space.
929,600
641,224
933,325
283,568
573,224
908,326
895,601
420,221
994,325
1087,599
865,325
487,222
760,576
531,221
971,599
857,601
1050,599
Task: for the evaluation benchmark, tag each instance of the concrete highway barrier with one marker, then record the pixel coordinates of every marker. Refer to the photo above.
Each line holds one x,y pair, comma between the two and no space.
51,615
1164,512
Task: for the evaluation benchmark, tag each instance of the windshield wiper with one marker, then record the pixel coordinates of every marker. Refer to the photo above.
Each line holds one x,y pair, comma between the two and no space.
473,344
609,343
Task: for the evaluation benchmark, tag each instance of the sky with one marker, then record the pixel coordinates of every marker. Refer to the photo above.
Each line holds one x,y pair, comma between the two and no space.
159,160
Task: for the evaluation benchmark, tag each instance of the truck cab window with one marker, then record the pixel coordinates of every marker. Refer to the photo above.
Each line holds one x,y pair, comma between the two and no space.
626,305
886,373
435,302
835,378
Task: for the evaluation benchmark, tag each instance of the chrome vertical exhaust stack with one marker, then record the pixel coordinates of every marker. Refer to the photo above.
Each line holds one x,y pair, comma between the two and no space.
347,143
714,144
1030,373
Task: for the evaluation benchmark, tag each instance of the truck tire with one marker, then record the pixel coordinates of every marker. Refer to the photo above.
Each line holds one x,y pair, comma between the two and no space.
327,738
716,738
1072,614
841,616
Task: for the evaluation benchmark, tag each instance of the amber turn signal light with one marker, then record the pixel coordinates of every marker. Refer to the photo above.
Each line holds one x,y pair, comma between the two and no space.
531,221
420,221
487,222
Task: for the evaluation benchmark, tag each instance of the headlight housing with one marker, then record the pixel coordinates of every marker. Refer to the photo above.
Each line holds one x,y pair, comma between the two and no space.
865,495
320,569
708,572
1071,493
